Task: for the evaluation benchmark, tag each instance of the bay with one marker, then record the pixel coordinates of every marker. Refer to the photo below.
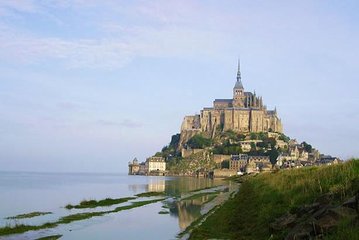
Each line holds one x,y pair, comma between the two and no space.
25,192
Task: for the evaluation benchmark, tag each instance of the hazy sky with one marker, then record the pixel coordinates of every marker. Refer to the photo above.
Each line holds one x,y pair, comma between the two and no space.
87,85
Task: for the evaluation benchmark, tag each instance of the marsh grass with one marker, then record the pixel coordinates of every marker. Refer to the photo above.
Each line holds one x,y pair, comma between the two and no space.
20,228
151,194
163,212
87,215
264,197
52,237
28,215
102,203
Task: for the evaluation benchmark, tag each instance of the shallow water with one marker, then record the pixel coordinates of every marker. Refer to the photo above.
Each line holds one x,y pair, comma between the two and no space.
49,192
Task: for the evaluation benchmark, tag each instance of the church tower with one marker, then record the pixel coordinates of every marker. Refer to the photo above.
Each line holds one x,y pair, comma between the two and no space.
238,90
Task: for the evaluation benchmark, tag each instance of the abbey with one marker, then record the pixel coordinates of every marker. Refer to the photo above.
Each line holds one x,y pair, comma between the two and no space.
244,113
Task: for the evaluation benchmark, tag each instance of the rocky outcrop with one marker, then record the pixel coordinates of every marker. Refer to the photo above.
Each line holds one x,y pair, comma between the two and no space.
198,163
318,219
185,136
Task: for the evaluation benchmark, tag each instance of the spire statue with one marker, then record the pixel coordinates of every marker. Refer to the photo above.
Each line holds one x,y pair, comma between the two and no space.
239,77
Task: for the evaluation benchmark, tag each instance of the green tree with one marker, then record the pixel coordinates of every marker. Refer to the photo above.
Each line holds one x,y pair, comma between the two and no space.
270,142
273,155
225,164
253,136
253,146
307,147
175,140
284,138
199,141
241,137
261,136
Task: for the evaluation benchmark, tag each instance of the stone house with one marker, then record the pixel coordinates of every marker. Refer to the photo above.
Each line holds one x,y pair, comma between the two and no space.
238,162
155,164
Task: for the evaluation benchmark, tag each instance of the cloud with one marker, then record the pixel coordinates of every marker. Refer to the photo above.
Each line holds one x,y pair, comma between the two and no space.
115,42
107,53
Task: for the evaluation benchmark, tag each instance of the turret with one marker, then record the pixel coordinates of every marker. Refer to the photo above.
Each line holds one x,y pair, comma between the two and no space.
238,90
254,99
238,87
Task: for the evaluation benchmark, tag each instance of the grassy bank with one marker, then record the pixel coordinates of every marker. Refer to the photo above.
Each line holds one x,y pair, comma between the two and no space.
265,197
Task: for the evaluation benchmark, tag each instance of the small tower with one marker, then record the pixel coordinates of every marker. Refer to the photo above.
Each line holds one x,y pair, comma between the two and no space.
238,90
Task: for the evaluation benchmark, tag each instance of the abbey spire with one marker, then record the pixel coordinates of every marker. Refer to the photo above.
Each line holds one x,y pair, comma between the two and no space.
239,84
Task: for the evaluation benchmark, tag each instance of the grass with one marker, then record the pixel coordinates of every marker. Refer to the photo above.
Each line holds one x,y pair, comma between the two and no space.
151,194
264,197
102,203
29,215
346,230
52,237
20,228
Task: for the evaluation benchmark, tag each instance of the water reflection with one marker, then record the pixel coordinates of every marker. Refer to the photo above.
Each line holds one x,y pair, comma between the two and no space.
156,185
180,185
186,211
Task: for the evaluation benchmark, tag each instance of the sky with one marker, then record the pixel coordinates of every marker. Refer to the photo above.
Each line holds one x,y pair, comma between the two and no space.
87,85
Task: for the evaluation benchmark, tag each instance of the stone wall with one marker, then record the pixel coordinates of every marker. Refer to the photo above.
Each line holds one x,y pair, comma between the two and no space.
218,158
188,152
224,173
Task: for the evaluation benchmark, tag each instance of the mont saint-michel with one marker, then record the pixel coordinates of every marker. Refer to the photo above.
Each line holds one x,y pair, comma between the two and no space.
235,136
136,119
244,113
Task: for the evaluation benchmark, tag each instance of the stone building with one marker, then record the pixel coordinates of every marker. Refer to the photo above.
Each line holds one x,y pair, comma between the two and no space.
258,164
238,162
155,164
243,113
152,166
133,167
